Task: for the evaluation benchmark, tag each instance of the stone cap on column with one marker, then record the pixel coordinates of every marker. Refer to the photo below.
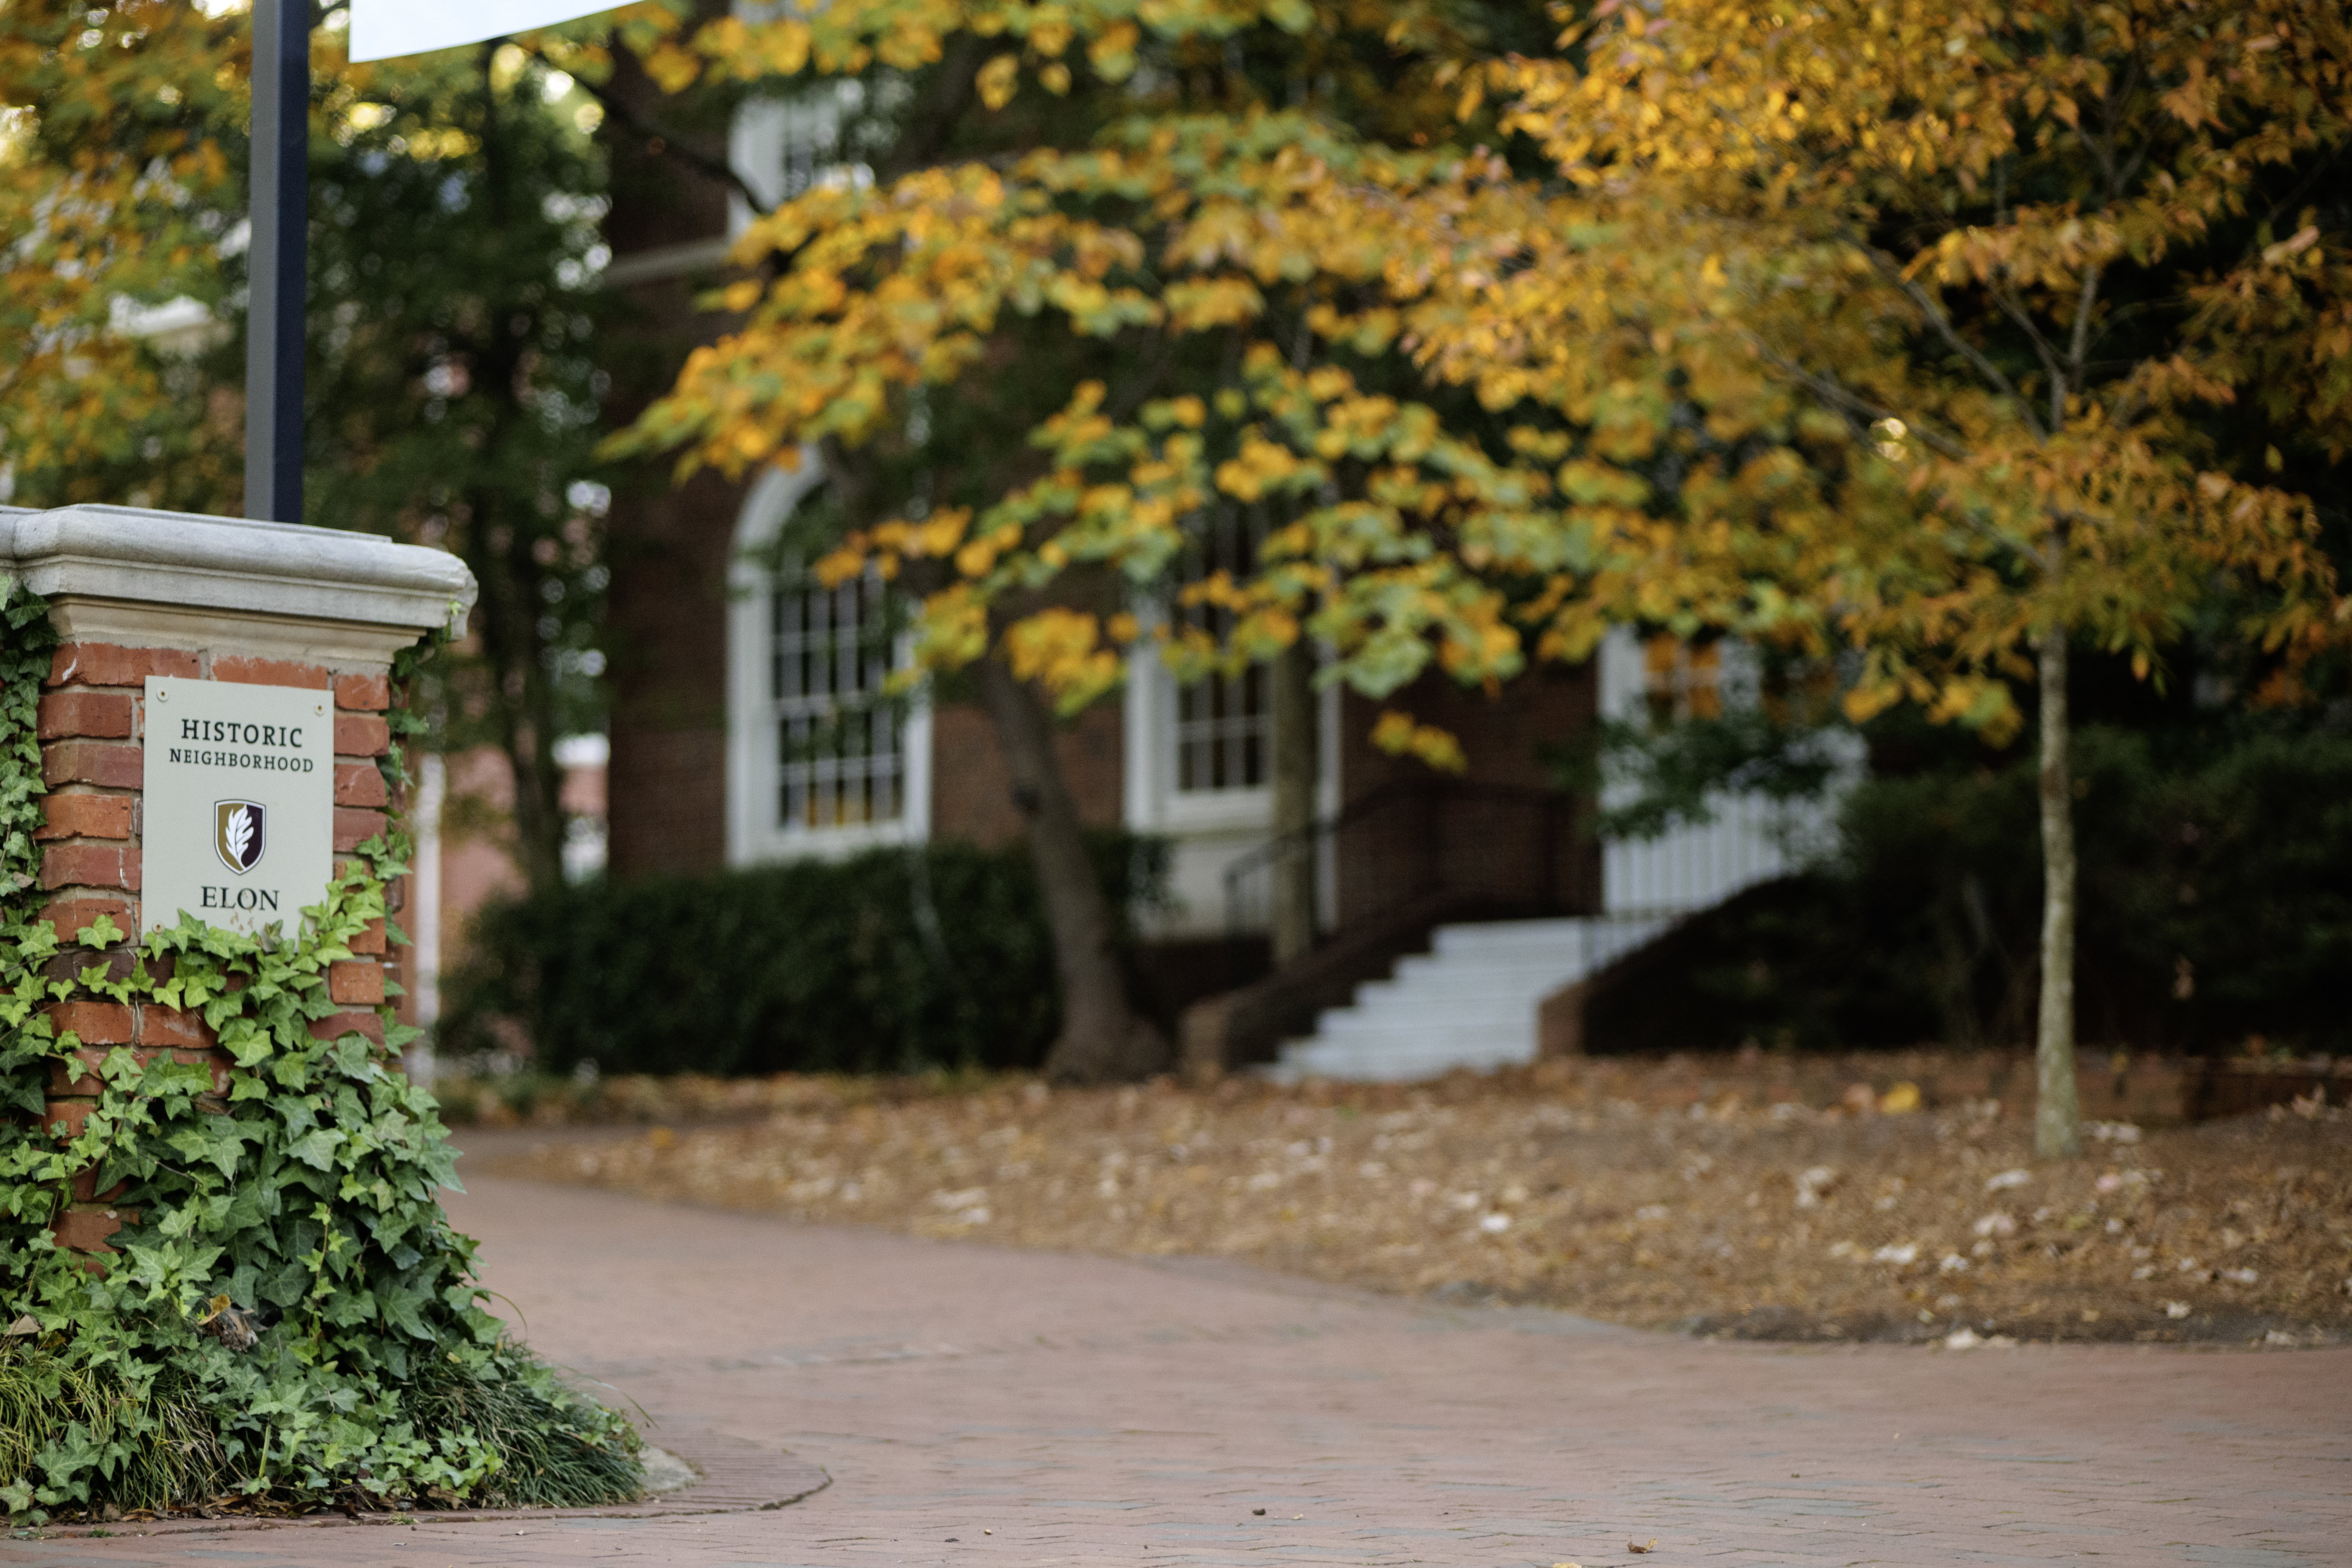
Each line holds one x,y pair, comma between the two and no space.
139,578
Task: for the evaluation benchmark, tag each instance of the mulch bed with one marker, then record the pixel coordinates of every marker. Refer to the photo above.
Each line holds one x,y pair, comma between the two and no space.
1608,1188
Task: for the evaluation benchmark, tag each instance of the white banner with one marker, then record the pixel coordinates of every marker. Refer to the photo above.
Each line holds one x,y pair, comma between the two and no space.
383,29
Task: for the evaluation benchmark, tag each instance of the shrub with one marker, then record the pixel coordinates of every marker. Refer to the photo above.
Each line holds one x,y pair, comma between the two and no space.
2216,905
890,961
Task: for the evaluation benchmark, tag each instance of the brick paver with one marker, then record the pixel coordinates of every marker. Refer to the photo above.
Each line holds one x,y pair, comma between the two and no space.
976,1405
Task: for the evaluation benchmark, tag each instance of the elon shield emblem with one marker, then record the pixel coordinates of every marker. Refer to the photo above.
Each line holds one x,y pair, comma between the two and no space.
236,834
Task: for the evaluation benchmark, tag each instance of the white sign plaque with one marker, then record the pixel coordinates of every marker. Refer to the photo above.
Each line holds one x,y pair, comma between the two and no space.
240,816
383,29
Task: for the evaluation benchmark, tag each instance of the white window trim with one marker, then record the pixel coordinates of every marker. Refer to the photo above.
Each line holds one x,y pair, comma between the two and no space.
1210,827
753,770
1154,803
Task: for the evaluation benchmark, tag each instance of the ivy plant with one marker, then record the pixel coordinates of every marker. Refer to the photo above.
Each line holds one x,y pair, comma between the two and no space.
287,1318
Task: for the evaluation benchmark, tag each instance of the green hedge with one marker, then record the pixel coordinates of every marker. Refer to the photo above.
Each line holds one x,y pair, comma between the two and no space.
890,961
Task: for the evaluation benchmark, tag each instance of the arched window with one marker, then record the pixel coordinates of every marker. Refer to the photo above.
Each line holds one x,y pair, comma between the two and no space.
816,765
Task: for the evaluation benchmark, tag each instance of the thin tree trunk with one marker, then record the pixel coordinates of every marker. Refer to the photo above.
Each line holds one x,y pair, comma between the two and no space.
2057,1113
1292,677
520,705
528,723
1102,1040
522,690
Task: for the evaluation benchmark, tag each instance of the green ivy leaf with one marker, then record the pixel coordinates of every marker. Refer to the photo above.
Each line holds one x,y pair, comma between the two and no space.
318,1149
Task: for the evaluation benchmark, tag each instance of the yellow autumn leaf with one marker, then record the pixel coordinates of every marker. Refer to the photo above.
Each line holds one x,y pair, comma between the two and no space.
1398,734
998,80
672,68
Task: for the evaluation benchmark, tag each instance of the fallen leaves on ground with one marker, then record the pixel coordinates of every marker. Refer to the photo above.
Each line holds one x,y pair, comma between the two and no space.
1540,1185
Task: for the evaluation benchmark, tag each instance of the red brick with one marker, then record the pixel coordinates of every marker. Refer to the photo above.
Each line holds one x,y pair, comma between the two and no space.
356,735
335,1025
63,1085
86,1230
64,1117
85,817
160,1026
368,693
92,762
85,1188
64,1088
371,939
360,784
85,865
92,1022
72,915
355,984
100,714
978,804
216,1060
108,663
116,964
247,671
353,829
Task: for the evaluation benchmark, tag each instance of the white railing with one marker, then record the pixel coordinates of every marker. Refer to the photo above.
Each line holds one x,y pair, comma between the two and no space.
1751,839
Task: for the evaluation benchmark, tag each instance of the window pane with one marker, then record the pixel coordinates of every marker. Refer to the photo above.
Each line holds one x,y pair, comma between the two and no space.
839,758
1223,725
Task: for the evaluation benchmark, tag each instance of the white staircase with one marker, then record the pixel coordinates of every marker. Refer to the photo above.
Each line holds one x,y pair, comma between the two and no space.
1470,1003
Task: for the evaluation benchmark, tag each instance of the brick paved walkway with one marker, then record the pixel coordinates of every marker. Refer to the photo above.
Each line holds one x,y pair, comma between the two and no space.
992,1408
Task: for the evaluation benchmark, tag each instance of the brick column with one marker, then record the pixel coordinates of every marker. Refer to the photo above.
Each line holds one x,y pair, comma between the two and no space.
135,595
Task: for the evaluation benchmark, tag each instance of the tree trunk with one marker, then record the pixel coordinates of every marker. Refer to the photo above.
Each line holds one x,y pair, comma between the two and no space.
1102,1040
523,688
1292,677
2057,1113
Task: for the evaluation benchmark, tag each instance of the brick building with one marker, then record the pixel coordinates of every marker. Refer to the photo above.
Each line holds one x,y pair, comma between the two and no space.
720,672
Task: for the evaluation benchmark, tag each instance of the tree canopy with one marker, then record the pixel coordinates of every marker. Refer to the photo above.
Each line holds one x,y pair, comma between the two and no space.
1931,337
1909,330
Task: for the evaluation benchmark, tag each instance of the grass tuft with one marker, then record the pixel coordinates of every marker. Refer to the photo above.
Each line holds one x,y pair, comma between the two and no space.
556,1453
556,1448
162,1447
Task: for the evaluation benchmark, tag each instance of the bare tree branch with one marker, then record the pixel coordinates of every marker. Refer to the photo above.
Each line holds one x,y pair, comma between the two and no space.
651,131
2014,308
2082,340
933,120
1850,402
1967,351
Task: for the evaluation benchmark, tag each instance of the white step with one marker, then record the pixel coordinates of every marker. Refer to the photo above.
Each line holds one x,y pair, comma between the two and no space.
1469,1002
